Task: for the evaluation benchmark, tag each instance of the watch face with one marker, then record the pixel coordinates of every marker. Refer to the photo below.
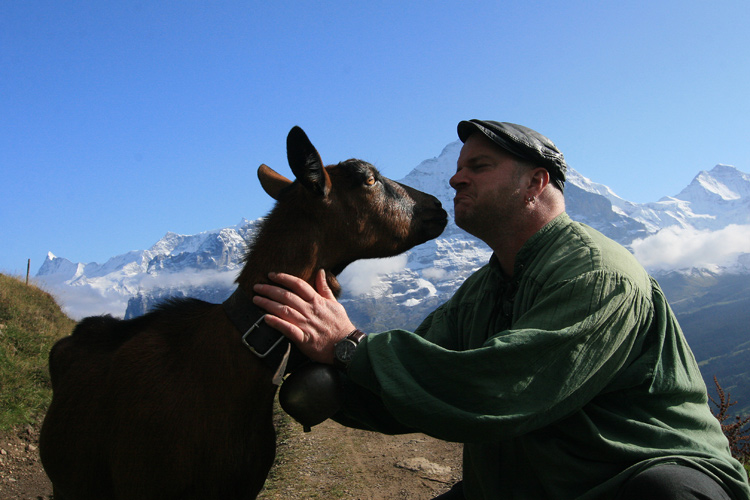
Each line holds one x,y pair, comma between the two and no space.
344,350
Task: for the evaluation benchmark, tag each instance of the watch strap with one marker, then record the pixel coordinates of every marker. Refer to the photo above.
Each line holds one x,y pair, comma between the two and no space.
355,337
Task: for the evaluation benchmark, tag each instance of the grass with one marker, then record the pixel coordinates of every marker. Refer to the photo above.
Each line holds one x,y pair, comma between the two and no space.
30,323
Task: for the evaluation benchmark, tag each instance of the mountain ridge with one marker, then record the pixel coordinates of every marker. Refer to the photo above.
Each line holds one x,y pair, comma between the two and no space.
714,200
695,243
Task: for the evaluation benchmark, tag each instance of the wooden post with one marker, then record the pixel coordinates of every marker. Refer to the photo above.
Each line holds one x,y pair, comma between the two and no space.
28,269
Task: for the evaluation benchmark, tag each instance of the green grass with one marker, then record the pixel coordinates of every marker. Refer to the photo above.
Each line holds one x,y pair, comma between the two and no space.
30,323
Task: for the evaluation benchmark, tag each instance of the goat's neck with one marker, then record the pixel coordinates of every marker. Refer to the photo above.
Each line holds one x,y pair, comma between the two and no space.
301,260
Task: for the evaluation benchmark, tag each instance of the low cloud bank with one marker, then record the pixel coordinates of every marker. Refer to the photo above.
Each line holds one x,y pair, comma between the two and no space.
359,277
681,248
85,300
99,296
191,278
669,249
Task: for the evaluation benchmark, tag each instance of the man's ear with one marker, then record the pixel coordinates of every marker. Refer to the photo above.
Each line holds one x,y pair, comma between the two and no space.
538,182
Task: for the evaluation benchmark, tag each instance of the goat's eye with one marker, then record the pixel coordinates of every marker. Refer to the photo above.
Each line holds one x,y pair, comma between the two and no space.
370,181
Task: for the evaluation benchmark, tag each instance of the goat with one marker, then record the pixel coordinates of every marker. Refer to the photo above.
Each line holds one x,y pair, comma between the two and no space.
171,405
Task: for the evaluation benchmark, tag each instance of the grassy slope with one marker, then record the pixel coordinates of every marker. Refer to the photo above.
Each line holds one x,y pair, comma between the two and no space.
30,322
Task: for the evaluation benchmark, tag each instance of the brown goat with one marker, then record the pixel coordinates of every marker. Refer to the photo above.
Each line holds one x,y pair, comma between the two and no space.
171,405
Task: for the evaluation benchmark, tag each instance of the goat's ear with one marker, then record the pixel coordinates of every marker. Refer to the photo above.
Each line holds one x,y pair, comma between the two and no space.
306,163
271,181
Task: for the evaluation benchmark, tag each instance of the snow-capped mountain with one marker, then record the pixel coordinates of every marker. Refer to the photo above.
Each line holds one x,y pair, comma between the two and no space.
696,242
717,202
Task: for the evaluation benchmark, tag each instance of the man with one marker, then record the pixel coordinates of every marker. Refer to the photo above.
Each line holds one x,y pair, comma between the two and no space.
559,364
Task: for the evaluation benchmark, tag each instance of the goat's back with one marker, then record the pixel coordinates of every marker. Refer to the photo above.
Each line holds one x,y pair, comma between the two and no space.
165,405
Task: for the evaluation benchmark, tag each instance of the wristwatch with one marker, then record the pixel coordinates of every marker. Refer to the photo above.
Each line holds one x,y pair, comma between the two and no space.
344,349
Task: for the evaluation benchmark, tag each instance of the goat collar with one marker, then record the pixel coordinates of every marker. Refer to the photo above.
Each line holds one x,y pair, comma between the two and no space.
263,341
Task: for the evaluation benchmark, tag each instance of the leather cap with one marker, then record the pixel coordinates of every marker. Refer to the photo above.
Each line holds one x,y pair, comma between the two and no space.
522,142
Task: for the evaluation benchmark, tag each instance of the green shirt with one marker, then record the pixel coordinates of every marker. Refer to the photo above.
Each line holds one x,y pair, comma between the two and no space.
562,382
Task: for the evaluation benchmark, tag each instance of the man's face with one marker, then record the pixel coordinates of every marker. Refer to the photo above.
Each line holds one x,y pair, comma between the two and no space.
488,188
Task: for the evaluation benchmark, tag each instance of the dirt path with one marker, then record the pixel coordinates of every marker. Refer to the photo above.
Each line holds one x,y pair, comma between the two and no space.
21,473
331,462
334,462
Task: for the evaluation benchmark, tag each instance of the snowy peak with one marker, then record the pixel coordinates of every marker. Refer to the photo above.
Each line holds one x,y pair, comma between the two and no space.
573,177
721,183
59,269
431,176
219,249
713,211
716,198
713,186
713,200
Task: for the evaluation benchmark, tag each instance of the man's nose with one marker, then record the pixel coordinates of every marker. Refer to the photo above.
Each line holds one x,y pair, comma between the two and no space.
457,179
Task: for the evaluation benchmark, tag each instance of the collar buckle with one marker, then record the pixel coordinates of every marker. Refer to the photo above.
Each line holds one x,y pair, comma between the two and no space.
255,349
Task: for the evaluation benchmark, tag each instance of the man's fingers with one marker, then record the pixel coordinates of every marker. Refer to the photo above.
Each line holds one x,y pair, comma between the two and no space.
321,285
287,329
283,310
309,317
294,284
280,295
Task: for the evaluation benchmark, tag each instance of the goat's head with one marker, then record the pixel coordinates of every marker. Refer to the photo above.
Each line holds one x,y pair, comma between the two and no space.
347,211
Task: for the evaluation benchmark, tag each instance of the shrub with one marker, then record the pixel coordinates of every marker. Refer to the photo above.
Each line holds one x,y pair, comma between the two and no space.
734,428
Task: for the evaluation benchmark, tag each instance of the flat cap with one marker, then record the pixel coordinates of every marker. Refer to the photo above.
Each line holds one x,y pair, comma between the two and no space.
522,142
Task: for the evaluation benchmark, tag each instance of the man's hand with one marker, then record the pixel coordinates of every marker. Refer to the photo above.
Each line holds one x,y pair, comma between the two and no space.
313,319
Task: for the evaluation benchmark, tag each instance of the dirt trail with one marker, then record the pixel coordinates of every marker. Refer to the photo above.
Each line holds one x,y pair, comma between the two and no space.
21,473
335,462
331,462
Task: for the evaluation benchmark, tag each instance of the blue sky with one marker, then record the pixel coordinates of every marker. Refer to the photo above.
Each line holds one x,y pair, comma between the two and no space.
120,121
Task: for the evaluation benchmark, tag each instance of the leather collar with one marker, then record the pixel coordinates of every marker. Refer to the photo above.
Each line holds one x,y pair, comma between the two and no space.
263,341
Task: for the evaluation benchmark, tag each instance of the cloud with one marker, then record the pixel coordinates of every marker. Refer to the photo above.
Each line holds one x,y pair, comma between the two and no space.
434,274
188,278
85,300
97,296
360,276
679,248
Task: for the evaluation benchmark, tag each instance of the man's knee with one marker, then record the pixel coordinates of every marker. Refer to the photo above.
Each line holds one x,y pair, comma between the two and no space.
672,482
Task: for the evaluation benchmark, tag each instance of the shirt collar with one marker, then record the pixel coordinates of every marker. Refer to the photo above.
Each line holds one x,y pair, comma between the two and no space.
532,246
